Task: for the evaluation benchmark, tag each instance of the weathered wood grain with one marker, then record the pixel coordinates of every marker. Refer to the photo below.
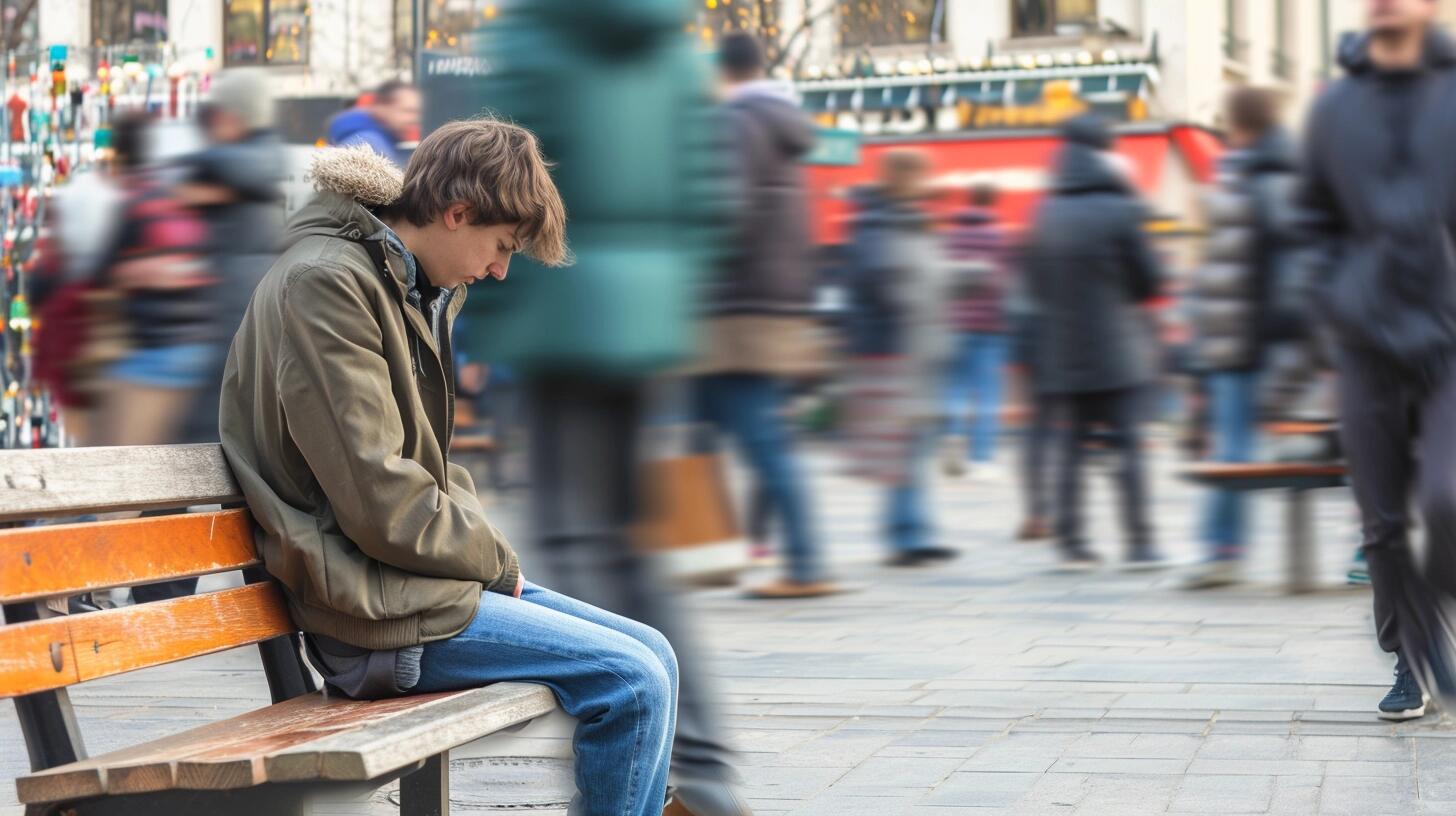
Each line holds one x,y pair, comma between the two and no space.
36,656
100,644
412,735
309,738
67,559
73,481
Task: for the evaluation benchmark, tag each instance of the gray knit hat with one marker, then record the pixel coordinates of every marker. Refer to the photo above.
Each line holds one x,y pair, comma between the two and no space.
244,92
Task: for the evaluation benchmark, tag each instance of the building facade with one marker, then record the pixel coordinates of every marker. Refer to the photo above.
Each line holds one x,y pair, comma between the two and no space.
1018,63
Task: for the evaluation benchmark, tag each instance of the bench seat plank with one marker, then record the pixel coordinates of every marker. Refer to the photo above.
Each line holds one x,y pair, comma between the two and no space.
50,482
76,648
308,738
68,559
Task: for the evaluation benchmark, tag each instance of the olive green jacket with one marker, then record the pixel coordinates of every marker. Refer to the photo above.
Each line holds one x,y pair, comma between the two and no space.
336,418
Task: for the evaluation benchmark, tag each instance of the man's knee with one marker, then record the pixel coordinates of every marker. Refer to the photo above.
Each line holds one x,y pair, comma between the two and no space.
651,681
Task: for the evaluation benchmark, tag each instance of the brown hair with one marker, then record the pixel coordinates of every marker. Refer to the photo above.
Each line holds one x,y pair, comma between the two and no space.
495,167
1252,110
903,171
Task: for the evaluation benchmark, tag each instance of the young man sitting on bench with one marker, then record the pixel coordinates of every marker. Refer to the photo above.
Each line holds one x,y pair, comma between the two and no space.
336,420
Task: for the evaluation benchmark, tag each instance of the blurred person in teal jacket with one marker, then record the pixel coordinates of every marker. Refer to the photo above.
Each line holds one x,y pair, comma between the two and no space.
622,102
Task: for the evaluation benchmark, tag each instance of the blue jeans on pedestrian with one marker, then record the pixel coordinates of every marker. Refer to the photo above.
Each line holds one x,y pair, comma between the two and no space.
1233,412
616,676
907,518
975,384
749,406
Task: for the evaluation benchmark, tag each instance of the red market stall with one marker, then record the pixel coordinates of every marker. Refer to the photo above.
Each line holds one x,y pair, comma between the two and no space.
1168,162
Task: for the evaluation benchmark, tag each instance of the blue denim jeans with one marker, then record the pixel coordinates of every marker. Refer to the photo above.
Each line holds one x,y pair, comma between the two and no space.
1233,414
617,677
907,519
748,406
975,384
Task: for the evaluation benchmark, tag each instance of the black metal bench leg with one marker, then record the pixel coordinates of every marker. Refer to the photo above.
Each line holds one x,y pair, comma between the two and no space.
46,719
426,792
1301,545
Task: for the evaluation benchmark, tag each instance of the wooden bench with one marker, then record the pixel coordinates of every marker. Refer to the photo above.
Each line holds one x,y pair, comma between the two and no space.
1297,479
270,761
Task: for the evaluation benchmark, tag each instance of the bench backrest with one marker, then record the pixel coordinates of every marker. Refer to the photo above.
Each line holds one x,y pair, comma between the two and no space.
55,561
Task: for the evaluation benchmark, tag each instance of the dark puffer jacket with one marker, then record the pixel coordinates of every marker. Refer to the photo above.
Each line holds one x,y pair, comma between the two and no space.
1088,266
1378,194
1250,252
770,273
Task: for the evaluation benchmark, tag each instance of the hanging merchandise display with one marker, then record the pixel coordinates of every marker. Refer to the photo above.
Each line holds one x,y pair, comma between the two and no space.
55,122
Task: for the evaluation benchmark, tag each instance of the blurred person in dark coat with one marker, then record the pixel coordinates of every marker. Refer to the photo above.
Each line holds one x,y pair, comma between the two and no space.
1377,196
978,250
900,345
390,117
235,182
1231,303
758,328
1089,267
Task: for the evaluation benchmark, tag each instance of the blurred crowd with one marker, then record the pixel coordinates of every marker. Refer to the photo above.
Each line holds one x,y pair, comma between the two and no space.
948,326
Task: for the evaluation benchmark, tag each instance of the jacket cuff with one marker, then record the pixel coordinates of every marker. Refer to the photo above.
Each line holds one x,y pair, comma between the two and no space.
510,575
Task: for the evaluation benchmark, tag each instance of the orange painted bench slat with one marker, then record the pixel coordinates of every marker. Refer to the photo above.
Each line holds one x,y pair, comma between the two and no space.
68,559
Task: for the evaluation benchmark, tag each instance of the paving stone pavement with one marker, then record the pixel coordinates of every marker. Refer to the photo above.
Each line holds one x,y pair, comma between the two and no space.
993,685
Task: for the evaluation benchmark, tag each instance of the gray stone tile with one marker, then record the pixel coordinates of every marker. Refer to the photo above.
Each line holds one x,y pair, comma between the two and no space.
1366,796
897,773
1255,767
1224,795
1234,746
1001,790
1093,765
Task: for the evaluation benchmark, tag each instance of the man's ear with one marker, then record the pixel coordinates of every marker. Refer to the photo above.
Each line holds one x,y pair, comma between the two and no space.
456,215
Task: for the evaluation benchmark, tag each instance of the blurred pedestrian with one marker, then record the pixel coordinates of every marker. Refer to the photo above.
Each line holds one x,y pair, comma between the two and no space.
1231,305
1039,423
1089,268
83,221
148,318
587,340
1378,191
981,274
758,329
900,344
235,182
391,116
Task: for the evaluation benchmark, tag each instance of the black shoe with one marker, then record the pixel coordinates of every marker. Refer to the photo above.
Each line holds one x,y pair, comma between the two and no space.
1405,700
921,555
1079,559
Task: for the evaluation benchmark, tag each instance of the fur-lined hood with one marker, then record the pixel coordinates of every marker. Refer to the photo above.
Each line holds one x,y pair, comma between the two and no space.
351,183
357,172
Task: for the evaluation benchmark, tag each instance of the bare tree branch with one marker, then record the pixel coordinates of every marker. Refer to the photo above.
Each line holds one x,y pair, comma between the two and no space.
17,26
804,27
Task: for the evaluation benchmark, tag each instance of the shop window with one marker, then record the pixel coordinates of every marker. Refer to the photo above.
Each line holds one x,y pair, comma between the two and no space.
128,22
871,23
1041,18
266,32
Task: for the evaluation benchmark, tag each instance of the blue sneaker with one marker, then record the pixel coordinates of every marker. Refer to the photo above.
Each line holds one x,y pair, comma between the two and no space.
1405,700
1359,574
